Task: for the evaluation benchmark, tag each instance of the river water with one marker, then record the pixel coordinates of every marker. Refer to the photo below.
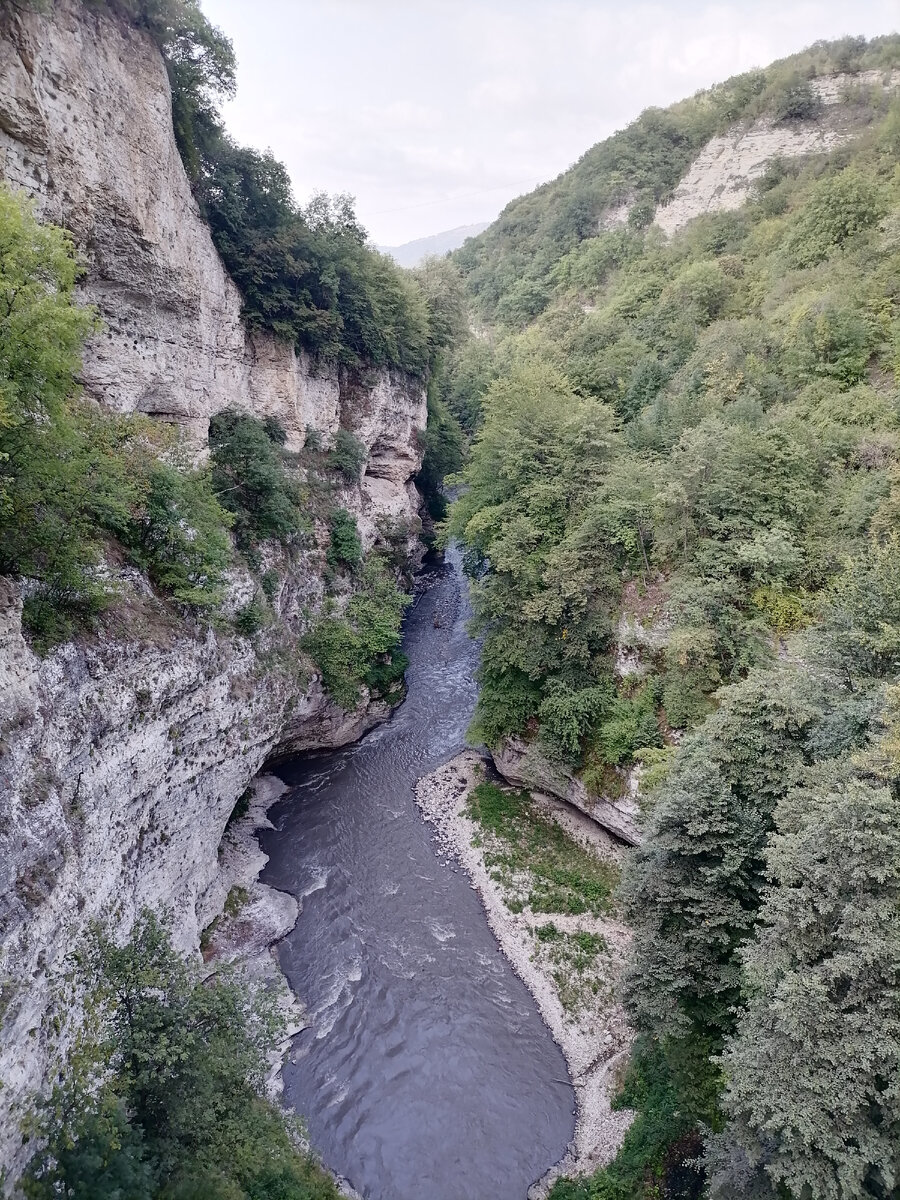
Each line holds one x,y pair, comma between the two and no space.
426,1072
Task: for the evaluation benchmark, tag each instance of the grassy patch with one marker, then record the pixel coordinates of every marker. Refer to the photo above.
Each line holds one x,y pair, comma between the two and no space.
577,962
534,860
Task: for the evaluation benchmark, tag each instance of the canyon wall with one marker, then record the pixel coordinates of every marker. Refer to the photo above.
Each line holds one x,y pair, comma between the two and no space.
121,758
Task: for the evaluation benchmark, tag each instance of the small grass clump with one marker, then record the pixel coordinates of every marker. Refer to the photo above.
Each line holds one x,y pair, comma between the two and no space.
534,860
576,961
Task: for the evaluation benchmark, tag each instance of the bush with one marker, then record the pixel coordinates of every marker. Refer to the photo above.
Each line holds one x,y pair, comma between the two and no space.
168,1101
346,649
345,546
180,538
250,619
250,480
839,207
347,456
632,725
832,340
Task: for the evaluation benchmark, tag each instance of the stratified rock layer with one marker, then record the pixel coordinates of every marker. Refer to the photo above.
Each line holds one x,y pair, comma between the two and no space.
121,760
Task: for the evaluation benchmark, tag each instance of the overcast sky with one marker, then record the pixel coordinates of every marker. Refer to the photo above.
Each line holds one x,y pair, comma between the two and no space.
435,113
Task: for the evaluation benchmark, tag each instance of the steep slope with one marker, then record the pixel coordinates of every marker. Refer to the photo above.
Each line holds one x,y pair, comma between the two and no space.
663,315
681,517
122,756
803,104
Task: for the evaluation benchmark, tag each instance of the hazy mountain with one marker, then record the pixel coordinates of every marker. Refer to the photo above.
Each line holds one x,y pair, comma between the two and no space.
410,254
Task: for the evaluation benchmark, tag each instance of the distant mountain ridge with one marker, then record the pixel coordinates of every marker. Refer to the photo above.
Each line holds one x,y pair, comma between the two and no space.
410,254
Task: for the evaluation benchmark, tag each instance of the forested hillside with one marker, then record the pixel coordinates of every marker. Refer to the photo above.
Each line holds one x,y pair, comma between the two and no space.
681,518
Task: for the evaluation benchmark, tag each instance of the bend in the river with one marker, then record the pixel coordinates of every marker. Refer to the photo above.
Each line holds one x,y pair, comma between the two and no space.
425,1070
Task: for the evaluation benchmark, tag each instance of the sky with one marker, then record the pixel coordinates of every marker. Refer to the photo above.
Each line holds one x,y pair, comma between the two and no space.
436,113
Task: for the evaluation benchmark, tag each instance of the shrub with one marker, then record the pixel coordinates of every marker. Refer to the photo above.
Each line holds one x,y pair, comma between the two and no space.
832,340
345,546
632,724
250,619
167,1097
794,100
839,207
180,537
346,649
250,480
347,456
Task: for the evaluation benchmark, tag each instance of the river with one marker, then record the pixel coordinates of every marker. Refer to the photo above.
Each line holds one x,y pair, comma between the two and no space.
426,1072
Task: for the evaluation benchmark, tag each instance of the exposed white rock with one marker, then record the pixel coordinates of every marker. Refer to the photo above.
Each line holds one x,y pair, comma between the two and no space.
615,216
722,176
86,130
523,764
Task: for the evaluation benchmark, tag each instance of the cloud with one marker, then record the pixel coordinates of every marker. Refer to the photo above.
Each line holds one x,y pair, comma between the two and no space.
435,114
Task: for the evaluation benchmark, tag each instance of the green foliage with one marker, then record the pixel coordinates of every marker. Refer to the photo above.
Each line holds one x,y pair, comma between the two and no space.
72,480
351,651
631,725
308,275
536,244
345,546
793,99
347,456
250,480
650,1162
740,510
535,860
162,1097
544,605
838,208
53,483
465,374
445,451
822,1022
180,538
250,619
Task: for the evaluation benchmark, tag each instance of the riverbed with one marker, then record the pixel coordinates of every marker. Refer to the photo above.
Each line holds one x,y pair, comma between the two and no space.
425,1069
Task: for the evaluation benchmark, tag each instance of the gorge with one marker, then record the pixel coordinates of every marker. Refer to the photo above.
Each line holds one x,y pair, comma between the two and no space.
644,942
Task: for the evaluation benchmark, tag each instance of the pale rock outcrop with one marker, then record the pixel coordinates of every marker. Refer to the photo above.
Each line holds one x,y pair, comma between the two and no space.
722,176
524,764
86,130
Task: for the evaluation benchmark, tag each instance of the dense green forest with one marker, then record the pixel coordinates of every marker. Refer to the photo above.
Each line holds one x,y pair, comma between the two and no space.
702,434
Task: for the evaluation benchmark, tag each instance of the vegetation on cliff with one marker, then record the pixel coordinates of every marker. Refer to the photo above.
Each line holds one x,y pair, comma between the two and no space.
162,1098
681,515
308,274
81,491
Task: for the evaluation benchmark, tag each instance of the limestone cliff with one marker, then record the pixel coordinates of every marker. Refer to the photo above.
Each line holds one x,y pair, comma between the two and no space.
722,176
121,759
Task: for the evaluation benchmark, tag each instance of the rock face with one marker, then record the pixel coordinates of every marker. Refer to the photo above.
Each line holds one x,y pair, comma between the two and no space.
723,174
523,764
86,129
121,761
